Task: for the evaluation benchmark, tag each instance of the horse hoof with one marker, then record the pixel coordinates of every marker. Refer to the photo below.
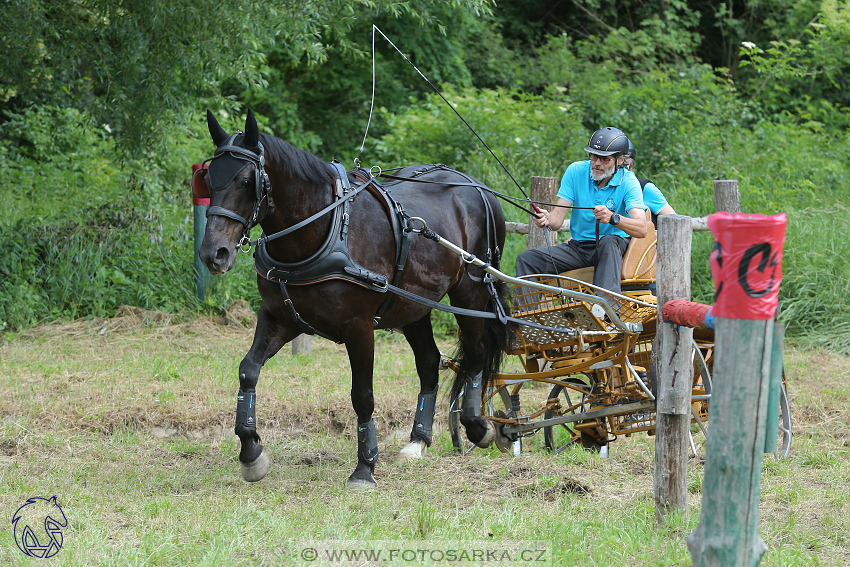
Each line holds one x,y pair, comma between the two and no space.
361,484
257,469
504,444
488,438
413,450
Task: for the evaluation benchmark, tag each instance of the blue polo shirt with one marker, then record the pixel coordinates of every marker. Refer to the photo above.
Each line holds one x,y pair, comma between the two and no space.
620,195
653,197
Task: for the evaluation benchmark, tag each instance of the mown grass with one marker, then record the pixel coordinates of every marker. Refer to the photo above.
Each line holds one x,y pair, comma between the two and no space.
130,425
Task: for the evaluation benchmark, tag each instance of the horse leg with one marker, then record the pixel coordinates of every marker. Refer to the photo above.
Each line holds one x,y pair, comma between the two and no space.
269,337
420,337
361,356
478,429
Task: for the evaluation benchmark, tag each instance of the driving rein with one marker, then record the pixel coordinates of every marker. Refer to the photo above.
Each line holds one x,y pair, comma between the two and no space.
333,260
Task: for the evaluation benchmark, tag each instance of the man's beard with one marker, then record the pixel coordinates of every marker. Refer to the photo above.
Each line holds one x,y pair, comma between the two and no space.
606,173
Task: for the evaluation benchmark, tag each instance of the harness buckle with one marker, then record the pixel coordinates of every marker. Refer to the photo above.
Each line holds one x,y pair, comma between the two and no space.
245,244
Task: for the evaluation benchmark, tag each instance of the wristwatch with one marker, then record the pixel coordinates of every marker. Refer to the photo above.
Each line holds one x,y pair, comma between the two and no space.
615,219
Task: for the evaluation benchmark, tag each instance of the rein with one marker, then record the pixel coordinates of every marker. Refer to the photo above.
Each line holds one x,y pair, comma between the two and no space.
507,198
353,193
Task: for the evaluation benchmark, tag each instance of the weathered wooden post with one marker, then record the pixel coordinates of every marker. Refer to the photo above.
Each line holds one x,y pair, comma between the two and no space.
747,268
675,370
726,195
545,190
301,344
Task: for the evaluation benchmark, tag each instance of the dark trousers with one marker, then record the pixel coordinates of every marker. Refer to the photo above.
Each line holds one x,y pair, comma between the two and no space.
572,255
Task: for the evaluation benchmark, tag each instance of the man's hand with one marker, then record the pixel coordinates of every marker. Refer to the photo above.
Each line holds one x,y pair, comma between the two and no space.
603,213
542,218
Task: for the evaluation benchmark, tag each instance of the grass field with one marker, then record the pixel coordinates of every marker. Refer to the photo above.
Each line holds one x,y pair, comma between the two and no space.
128,421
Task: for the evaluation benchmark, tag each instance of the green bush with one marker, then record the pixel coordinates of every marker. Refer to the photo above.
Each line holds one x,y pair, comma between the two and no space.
55,162
690,128
84,236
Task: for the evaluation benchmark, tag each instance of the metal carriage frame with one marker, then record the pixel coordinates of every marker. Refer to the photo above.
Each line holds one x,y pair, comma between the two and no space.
596,351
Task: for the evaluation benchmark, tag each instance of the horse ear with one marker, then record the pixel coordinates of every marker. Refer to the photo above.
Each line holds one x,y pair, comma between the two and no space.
217,132
252,131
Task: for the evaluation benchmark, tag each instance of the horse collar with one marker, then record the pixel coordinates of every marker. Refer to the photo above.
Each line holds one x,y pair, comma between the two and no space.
332,260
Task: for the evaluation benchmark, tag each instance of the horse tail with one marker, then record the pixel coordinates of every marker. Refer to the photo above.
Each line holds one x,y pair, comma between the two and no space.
495,342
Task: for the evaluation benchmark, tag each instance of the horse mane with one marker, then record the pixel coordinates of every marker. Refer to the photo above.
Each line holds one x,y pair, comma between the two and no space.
294,162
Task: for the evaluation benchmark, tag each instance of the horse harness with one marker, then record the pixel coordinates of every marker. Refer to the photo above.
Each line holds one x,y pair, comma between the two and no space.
237,155
333,259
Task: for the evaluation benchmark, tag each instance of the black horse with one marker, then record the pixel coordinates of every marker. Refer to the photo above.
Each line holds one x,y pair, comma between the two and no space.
339,248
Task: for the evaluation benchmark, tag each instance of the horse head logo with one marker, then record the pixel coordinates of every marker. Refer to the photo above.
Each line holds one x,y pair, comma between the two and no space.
28,521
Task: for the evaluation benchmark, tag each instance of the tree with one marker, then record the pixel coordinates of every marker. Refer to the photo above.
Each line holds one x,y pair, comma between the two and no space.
142,65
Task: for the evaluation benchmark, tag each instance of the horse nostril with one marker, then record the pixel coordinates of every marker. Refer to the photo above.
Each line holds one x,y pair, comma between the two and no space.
222,255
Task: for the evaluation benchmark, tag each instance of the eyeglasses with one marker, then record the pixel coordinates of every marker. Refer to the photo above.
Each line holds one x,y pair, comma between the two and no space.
603,159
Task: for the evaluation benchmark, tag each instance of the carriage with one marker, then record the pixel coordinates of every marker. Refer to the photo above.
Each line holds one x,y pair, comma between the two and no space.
592,352
341,269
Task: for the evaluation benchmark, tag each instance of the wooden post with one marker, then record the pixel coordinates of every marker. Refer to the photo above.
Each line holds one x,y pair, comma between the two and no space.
745,365
545,190
675,369
727,535
726,196
301,344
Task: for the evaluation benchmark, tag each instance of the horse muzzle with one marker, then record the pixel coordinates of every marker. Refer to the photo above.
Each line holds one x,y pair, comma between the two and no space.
218,257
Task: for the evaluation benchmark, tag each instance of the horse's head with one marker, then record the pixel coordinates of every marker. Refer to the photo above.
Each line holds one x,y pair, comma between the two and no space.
238,186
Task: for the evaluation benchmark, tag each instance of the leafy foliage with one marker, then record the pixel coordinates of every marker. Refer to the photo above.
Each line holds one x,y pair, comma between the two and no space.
139,65
101,105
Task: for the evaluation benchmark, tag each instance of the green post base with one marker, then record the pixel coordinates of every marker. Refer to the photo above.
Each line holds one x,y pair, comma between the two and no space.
727,535
202,274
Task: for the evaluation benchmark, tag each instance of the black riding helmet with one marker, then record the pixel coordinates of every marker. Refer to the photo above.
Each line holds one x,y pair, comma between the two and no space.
608,141
632,151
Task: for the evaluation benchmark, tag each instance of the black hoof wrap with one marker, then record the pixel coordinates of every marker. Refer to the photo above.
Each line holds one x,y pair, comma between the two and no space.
424,420
246,412
472,398
367,443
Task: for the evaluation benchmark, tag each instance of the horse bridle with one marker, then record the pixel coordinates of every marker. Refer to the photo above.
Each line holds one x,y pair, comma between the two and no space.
261,185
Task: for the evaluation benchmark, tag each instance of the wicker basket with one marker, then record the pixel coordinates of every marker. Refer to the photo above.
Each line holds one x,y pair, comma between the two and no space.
567,316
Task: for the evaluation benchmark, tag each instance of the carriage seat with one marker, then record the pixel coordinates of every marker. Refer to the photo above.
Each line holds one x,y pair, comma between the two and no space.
639,263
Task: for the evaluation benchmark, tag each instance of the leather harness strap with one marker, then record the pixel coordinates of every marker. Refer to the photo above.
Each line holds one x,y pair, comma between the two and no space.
333,260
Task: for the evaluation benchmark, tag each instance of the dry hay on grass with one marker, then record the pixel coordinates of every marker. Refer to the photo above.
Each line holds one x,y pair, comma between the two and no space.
303,429
239,317
819,391
85,399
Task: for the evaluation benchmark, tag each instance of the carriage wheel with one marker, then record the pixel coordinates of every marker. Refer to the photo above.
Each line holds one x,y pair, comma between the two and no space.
498,404
702,379
559,437
701,386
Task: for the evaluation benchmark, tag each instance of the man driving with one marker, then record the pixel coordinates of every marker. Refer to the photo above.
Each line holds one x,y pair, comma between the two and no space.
607,210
